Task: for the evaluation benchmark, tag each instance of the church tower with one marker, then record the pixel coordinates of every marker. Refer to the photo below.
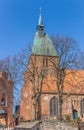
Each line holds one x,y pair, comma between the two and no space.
39,79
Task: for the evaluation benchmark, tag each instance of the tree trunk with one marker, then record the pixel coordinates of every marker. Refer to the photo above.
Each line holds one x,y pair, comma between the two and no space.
59,106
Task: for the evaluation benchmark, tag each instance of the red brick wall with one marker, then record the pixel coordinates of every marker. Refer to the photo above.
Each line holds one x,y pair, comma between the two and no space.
26,103
49,87
6,92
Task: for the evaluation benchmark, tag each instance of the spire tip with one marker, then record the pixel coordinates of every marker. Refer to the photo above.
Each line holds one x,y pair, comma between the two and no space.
40,10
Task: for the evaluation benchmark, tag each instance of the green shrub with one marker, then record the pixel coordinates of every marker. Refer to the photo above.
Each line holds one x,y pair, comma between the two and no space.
77,120
67,117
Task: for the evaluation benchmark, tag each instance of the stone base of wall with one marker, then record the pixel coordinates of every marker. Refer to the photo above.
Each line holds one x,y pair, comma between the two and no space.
47,125
56,125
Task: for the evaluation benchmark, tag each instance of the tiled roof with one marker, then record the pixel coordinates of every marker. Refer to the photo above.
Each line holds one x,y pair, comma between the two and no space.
74,81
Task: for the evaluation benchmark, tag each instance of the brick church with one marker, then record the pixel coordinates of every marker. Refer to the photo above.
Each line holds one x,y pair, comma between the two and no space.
6,100
40,86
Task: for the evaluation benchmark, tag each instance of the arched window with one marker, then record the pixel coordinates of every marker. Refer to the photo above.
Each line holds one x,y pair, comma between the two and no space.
2,102
82,106
53,106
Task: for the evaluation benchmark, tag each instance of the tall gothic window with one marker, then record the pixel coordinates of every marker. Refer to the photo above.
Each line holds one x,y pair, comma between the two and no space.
82,107
53,106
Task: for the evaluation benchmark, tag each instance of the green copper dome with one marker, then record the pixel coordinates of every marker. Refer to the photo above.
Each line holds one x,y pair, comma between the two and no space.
43,46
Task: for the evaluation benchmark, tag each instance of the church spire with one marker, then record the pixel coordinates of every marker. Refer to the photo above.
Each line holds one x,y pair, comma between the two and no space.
40,22
40,26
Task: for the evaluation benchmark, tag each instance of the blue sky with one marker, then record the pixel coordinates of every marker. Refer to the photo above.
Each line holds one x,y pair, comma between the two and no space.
19,18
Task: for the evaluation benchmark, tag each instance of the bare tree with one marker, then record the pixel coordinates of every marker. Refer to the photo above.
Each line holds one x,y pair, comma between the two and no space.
36,76
15,66
81,60
35,73
68,52
11,66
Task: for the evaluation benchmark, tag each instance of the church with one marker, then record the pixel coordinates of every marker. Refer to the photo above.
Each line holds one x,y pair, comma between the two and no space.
39,94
